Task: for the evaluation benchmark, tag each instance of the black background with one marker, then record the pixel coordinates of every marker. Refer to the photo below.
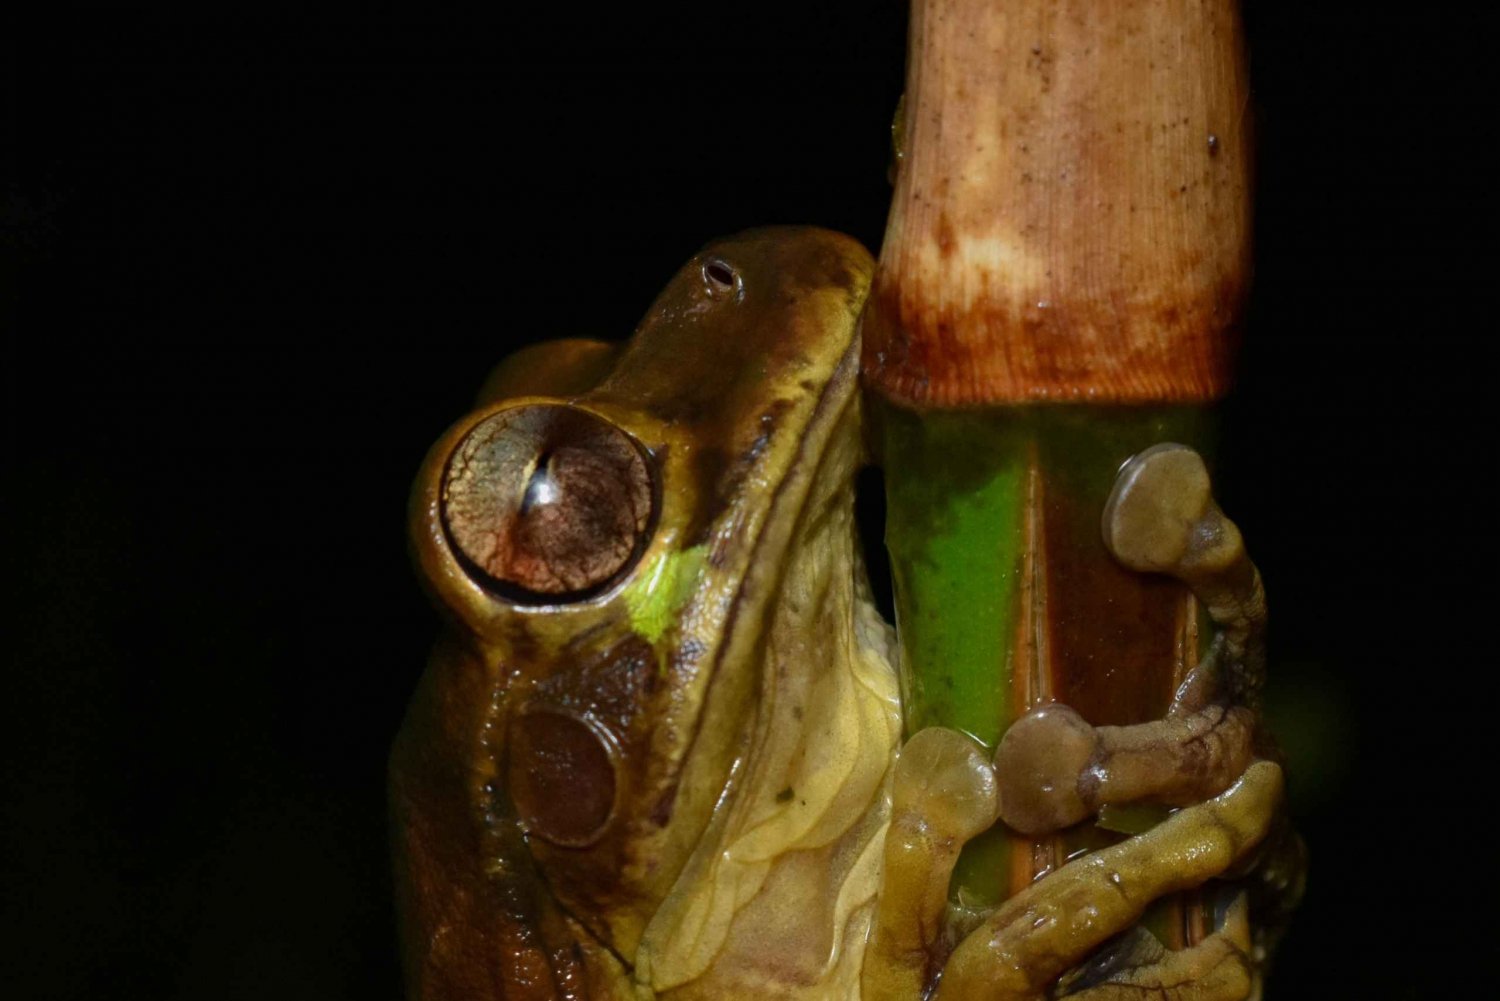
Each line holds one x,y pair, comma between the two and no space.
254,266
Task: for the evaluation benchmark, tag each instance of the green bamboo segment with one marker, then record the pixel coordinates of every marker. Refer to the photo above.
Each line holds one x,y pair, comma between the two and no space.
955,493
1005,596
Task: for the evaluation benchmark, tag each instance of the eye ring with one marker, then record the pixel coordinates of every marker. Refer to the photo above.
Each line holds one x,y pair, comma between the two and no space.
721,279
545,504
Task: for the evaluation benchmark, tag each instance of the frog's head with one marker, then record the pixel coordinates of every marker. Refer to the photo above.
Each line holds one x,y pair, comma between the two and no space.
614,559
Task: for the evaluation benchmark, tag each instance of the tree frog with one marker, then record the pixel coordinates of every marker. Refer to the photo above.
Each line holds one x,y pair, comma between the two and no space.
658,754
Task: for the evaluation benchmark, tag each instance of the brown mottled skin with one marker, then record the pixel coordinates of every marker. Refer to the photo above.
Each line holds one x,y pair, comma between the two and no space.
739,381
652,756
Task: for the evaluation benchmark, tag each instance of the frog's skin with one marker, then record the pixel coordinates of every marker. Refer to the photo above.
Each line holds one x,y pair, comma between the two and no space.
655,754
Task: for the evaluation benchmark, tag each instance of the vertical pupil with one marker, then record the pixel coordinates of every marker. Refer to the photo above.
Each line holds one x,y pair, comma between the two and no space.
541,490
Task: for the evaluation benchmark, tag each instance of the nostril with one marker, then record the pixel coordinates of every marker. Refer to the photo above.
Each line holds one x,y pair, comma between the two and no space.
720,278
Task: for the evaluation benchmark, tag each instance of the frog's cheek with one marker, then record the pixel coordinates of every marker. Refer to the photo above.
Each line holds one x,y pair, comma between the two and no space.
563,776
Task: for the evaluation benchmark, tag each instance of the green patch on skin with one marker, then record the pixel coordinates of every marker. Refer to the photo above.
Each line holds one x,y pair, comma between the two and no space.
655,596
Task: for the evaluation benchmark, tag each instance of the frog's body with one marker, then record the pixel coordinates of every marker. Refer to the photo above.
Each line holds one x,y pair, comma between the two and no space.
653,756
723,704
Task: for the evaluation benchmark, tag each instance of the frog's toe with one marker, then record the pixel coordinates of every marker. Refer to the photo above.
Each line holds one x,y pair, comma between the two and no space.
1158,500
1041,763
942,775
1055,770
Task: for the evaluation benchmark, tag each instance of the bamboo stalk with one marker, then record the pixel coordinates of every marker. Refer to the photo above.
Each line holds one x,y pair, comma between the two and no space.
1071,213
1060,286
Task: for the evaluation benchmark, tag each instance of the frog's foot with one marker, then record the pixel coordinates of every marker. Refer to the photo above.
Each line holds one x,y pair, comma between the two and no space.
1056,923
1054,769
942,795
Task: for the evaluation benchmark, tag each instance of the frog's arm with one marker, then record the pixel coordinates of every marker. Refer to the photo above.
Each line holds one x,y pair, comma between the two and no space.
944,792
1050,926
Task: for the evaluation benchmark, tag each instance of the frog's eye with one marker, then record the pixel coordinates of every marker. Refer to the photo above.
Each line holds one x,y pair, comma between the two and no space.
545,503
721,280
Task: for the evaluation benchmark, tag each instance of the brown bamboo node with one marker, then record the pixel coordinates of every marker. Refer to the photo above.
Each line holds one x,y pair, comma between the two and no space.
1071,217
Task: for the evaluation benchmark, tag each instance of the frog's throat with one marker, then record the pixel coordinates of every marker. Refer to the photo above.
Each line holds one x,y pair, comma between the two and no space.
789,863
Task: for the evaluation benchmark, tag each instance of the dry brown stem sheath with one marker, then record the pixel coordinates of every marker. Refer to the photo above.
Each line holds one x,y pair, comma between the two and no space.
1071,215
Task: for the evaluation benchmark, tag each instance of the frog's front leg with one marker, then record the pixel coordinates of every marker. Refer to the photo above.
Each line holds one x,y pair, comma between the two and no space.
943,794
1032,939
1054,769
